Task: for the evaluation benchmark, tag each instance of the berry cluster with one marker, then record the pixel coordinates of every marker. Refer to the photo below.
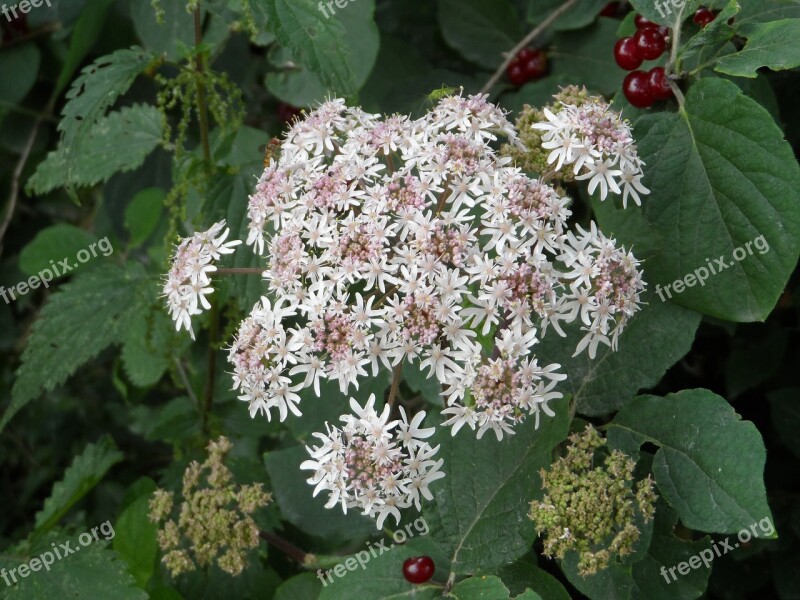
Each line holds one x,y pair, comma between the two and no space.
529,64
643,89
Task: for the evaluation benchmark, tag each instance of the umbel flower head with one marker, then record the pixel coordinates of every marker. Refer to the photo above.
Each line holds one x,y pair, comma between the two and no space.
373,464
215,520
591,503
394,239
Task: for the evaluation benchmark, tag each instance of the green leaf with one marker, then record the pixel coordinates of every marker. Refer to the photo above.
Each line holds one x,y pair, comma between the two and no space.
772,45
667,551
526,574
710,463
481,30
665,12
23,62
486,588
717,33
169,38
305,586
582,14
584,55
766,11
143,214
479,516
146,346
298,507
381,579
606,383
86,470
721,177
323,44
135,539
98,155
52,244
86,316
90,573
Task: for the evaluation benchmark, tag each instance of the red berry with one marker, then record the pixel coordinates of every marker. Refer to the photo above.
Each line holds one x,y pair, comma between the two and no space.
704,16
650,43
418,569
525,55
658,84
636,89
642,23
610,10
516,74
536,66
627,54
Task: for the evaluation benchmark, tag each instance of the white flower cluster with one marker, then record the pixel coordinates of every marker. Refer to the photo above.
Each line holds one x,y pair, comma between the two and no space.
188,283
394,240
599,145
373,464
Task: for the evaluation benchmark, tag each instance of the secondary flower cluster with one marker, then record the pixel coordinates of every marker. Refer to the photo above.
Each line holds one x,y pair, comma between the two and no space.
374,464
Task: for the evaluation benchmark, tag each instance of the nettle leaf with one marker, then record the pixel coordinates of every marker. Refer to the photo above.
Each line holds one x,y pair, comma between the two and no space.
710,463
381,579
322,44
721,177
141,128
487,588
91,95
89,573
481,30
772,45
479,516
86,316
606,383
86,470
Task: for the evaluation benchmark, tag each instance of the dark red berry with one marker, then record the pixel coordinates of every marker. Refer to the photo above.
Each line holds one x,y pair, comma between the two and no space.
536,66
704,16
627,54
642,23
658,84
650,43
637,90
516,74
610,10
287,112
664,31
418,569
525,55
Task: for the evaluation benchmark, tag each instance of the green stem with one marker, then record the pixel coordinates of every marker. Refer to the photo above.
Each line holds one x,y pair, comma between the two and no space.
202,104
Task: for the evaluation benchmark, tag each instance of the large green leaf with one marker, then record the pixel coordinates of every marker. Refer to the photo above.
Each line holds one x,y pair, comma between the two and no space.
765,11
52,244
773,45
710,463
136,539
86,316
140,127
86,470
486,588
604,384
89,572
323,44
526,574
479,516
721,177
481,30
587,56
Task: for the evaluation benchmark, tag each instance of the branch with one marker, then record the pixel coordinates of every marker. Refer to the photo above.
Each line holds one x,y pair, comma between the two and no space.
286,547
398,374
525,42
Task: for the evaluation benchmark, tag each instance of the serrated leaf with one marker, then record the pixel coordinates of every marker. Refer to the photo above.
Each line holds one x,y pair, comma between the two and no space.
606,383
710,463
321,44
721,176
99,157
50,245
772,45
90,572
86,470
481,30
87,315
479,516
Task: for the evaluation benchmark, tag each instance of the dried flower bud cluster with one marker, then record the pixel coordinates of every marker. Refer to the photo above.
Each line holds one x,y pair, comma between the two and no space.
373,464
592,509
215,518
